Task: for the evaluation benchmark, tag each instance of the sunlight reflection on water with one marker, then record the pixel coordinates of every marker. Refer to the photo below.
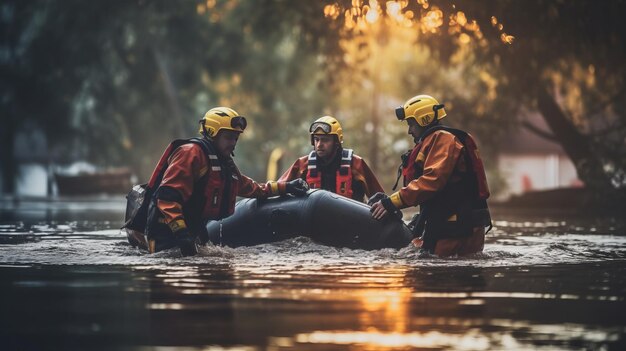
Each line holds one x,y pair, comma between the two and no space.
553,284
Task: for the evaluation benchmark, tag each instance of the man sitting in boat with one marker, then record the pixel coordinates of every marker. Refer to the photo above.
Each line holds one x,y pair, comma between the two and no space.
331,167
444,175
197,181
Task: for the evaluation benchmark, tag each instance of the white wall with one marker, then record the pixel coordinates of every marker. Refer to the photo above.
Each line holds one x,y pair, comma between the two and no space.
32,180
537,172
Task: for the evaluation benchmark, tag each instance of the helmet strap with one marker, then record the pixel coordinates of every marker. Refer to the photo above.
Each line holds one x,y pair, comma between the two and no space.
436,109
204,131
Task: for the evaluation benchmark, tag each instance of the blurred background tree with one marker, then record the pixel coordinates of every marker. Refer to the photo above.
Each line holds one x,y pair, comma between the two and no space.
565,61
113,82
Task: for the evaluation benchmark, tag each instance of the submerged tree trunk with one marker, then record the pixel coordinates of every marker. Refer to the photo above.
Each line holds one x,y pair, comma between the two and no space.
577,146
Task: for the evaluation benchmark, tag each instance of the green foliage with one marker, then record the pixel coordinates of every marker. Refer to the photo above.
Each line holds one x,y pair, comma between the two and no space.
495,61
114,81
120,79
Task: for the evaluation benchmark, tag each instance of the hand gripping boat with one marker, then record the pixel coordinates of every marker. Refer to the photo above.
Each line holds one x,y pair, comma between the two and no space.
323,216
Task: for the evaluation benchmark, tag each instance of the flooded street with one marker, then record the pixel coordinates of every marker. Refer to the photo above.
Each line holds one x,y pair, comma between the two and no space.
69,280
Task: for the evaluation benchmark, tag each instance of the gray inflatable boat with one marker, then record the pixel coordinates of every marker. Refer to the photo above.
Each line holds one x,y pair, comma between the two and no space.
323,216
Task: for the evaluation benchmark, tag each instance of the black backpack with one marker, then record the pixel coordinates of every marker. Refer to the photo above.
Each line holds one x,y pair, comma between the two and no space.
138,199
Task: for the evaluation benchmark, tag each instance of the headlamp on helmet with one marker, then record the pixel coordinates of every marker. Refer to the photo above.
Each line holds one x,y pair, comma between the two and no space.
424,109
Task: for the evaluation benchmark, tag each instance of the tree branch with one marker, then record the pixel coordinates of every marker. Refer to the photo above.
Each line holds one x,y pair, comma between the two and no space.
607,102
539,132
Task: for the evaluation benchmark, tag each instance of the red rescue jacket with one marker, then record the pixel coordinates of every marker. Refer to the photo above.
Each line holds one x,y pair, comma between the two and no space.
343,177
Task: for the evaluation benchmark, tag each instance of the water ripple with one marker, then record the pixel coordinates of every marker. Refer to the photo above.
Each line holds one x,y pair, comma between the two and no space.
510,243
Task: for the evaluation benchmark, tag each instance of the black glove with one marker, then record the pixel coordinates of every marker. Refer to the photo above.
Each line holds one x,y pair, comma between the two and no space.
297,187
186,242
390,207
376,197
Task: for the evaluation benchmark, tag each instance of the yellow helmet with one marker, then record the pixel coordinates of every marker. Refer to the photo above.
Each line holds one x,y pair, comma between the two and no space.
219,118
326,125
422,108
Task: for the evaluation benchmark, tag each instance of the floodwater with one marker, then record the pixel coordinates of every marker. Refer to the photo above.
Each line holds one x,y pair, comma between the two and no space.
69,281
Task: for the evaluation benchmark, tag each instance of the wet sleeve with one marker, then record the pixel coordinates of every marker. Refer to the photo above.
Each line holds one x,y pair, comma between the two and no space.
249,188
186,165
363,174
295,171
440,159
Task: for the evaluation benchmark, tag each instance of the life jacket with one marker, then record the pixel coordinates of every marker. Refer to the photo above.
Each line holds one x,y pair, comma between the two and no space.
463,200
410,169
222,186
214,193
140,196
343,178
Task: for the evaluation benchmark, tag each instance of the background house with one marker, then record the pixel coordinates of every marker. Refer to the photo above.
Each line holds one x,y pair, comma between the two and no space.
529,162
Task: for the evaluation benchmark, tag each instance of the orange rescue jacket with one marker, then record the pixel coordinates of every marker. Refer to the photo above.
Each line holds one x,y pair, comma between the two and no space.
197,185
352,170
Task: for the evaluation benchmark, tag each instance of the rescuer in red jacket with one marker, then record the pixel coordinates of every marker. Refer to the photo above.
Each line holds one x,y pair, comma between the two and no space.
445,176
331,167
198,181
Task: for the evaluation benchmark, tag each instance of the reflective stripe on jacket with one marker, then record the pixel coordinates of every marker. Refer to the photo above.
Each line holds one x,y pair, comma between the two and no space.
197,185
361,176
343,177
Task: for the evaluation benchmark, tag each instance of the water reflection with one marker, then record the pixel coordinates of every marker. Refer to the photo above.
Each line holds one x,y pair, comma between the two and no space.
373,340
540,284
375,309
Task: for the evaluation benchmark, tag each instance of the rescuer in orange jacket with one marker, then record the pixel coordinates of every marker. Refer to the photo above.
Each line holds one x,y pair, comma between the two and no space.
198,181
445,176
331,167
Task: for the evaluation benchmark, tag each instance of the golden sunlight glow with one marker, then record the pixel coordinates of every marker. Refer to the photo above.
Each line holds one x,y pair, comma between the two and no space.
392,305
459,25
432,339
355,11
200,9
361,15
464,38
214,12
349,23
507,39
460,18
393,9
392,301
432,20
491,82
333,11
472,26
371,15
590,80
